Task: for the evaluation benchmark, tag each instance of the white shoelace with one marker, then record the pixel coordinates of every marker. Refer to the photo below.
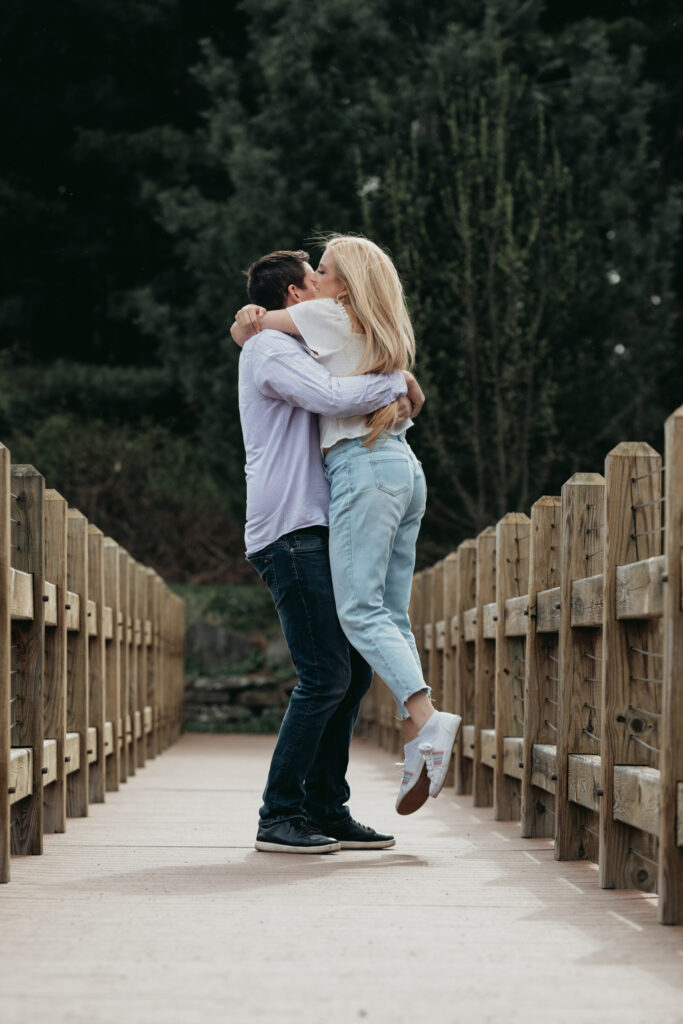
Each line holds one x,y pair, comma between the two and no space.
426,750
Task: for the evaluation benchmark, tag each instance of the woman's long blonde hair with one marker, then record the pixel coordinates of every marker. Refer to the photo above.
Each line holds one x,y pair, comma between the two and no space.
376,299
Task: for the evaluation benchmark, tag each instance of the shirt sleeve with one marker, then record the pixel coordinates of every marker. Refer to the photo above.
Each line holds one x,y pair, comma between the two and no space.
323,324
291,375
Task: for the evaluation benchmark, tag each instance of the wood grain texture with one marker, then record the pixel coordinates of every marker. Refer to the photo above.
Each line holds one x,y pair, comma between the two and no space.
548,610
469,625
21,595
633,515
512,579
466,595
636,797
21,774
54,705
77,708
28,639
640,589
489,620
485,666
587,602
540,666
50,602
97,672
579,654
583,780
516,615
670,874
543,774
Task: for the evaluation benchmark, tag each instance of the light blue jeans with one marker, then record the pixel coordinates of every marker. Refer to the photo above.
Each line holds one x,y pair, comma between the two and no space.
377,502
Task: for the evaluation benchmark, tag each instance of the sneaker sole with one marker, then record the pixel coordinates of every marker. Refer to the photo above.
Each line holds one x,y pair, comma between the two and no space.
375,844
447,760
264,847
415,797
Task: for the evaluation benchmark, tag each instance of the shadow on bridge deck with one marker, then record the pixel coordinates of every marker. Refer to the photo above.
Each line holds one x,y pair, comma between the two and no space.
157,908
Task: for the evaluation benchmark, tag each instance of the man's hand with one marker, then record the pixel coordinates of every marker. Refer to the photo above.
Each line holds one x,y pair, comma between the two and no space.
249,317
403,408
415,396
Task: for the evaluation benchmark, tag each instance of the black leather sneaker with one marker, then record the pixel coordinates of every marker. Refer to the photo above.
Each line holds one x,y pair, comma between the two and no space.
295,836
354,836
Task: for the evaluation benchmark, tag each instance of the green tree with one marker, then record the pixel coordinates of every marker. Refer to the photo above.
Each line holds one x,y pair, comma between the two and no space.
510,173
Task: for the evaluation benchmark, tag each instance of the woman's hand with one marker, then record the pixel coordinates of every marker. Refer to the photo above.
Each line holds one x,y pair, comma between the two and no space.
250,316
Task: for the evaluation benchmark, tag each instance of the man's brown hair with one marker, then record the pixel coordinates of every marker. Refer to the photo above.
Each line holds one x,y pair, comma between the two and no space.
268,279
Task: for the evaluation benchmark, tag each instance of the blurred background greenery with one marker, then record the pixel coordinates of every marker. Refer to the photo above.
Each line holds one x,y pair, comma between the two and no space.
522,162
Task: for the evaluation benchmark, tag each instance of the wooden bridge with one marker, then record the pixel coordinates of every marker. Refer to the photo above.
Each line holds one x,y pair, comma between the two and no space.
529,891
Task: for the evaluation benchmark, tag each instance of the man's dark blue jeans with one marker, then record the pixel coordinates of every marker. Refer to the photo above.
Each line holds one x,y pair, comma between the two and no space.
307,774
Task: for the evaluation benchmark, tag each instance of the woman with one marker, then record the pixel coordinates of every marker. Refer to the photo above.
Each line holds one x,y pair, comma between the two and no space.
360,324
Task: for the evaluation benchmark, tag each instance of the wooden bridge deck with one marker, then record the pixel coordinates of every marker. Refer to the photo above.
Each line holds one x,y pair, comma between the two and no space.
157,909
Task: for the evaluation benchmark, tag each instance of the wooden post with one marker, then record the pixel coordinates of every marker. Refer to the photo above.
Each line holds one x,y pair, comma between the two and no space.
29,638
97,663
485,667
55,659
141,652
113,662
465,598
436,659
629,736
426,617
512,579
133,702
5,661
541,662
150,614
670,907
77,712
125,712
579,658
165,668
446,638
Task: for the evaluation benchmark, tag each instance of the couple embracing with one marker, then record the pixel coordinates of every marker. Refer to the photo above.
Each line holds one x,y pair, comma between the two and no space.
335,497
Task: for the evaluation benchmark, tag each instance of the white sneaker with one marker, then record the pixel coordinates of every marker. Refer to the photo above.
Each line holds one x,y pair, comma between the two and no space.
437,753
414,788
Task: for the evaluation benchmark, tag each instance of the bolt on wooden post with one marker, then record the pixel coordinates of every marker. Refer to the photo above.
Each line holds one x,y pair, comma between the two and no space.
464,651
670,870
539,750
579,661
485,672
630,730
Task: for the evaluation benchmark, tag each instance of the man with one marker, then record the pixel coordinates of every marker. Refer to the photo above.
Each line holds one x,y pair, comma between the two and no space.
281,391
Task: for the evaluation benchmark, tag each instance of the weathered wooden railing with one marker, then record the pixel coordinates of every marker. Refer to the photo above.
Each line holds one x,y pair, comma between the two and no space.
91,663
559,639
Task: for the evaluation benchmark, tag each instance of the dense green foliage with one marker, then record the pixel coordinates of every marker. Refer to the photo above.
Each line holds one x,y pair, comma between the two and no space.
521,165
